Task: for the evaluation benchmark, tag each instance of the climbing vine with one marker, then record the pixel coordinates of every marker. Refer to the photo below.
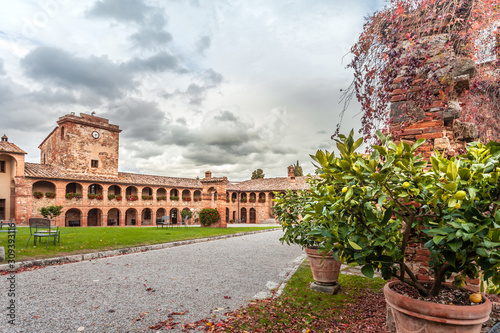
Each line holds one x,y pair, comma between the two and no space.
414,52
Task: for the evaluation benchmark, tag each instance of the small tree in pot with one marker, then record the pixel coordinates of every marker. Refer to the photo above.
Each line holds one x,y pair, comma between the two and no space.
51,212
369,207
289,210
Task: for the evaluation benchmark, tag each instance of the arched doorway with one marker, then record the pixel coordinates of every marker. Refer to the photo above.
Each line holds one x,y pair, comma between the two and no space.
146,216
253,215
73,218
94,217
227,215
131,216
243,215
113,217
174,213
159,214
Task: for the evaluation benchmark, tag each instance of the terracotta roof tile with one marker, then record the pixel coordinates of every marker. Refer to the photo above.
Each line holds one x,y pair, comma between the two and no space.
8,147
270,184
34,170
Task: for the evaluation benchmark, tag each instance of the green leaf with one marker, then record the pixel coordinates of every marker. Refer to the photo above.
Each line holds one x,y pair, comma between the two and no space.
348,194
354,245
452,171
417,144
456,245
438,239
367,271
482,252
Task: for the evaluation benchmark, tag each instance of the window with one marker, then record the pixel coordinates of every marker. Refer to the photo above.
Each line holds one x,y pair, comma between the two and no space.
2,166
94,163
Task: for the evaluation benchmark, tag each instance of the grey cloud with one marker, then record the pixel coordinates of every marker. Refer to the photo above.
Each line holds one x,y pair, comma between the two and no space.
121,10
181,121
203,44
139,119
49,96
2,69
195,92
150,39
97,74
159,62
226,116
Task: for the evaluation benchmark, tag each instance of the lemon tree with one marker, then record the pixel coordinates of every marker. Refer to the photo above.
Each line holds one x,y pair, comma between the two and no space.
367,208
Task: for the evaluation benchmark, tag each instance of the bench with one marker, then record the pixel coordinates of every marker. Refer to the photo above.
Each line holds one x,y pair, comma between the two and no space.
73,223
164,221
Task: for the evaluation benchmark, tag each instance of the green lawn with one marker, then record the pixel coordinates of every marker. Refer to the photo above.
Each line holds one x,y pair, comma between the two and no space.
93,239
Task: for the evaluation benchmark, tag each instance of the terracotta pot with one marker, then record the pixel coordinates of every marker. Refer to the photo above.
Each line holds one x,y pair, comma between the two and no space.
325,270
413,315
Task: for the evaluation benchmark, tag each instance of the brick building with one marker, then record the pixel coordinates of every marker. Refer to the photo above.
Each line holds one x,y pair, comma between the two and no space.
79,170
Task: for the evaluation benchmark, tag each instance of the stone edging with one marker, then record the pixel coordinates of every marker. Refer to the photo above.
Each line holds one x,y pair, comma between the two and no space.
298,261
112,253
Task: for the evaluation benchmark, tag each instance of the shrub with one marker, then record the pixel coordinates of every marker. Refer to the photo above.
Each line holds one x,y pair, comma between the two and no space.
209,216
51,211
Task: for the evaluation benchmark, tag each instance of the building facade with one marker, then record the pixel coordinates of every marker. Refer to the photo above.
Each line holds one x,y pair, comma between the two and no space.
78,170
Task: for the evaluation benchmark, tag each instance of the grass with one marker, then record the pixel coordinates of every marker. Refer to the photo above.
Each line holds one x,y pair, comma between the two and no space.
358,307
93,239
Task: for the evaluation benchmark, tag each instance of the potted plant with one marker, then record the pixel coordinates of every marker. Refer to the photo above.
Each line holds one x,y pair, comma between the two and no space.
289,210
38,194
91,196
50,195
99,197
174,198
119,197
111,196
369,207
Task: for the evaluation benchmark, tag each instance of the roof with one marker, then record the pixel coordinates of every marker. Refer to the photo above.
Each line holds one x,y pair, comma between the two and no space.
35,170
270,184
7,147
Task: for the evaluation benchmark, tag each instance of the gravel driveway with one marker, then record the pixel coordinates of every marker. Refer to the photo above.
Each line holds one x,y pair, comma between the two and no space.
132,292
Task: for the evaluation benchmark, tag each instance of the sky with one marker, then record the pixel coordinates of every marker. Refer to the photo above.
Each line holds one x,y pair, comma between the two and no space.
226,86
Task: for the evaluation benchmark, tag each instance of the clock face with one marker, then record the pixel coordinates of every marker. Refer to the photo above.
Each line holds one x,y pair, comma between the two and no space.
95,135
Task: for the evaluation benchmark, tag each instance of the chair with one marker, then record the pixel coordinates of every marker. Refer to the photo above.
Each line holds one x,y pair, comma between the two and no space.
165,220
185,221
8,227
40,227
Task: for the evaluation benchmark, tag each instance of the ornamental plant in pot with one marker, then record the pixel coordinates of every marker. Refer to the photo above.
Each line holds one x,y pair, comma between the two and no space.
369,207
289,209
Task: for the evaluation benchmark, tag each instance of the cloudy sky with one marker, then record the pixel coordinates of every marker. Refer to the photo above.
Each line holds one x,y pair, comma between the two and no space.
222,85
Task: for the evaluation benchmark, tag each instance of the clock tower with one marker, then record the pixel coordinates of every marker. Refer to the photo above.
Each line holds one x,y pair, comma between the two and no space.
83,144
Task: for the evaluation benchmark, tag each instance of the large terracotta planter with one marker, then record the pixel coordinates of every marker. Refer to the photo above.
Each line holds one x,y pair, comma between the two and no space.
413,315
325,270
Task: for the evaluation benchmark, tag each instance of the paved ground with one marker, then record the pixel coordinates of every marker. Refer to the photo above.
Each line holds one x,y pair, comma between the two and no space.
132,292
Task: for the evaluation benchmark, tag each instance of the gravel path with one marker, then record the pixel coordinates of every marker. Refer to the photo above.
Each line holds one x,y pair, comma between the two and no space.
132,292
